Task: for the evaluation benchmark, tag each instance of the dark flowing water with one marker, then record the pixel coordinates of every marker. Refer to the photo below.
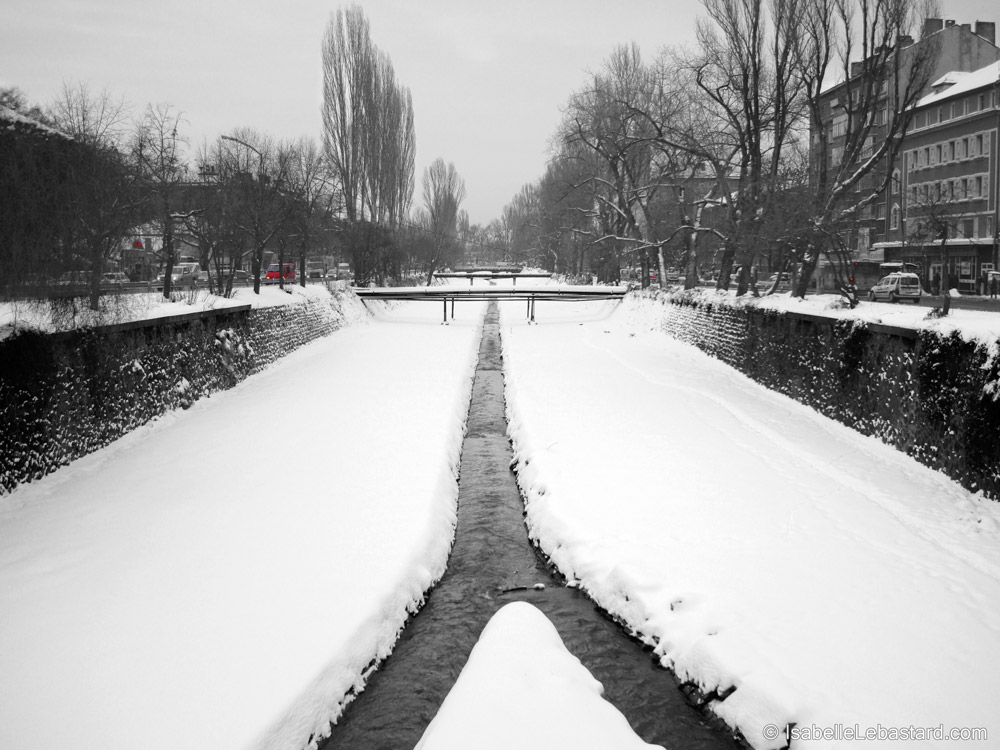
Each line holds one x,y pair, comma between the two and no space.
493,563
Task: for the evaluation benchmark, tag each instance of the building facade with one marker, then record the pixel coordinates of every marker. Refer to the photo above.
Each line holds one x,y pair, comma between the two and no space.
879,230
943,214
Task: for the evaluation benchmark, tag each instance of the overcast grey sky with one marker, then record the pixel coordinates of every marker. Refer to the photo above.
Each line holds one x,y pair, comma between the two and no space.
488,78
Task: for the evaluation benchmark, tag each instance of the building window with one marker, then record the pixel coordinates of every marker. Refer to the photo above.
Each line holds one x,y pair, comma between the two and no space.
982,101
864,240
894,217
989,227
979,186
839,127
895,182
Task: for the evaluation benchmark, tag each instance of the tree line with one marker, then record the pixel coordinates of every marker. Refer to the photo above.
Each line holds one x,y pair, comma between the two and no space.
721,156
82,177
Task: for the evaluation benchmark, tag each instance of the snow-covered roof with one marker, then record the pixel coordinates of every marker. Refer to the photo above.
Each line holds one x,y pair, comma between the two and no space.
956,82
10,118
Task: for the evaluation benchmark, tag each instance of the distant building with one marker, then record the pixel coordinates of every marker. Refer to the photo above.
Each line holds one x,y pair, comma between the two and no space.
947,191
878,231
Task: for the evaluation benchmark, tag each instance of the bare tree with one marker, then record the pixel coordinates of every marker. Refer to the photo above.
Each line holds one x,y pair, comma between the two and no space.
741,116
443,192
259,169
310,189
102,196
868,45
368,124
158,151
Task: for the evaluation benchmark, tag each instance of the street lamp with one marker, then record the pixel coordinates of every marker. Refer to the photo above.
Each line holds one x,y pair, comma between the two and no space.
258,251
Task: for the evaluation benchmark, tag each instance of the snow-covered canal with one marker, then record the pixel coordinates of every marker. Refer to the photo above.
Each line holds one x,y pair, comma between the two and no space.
828,578
223,577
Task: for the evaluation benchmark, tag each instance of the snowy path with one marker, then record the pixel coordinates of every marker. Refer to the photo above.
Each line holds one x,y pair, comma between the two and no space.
223,576
828,578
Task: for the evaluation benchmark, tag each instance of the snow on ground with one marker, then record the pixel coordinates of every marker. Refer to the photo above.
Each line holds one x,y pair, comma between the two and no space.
522,683
829,578
982,326
224,576
45,316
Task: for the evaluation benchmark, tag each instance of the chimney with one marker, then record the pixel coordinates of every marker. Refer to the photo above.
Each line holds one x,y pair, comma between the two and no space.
931,25
949,23
987,30
903,41
856,68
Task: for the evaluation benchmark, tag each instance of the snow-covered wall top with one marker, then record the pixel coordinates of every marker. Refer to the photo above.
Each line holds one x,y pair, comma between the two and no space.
64,395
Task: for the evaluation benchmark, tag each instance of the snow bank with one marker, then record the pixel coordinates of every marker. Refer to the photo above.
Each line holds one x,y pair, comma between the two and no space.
521,688
48,316
796,571
225,576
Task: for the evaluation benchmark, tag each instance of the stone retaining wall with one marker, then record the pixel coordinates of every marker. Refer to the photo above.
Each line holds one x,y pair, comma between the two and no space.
933,397
65,395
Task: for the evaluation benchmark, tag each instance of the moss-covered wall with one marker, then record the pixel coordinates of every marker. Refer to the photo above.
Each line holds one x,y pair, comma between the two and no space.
63,396
930,396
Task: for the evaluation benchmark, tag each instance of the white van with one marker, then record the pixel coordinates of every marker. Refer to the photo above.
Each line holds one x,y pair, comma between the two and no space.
897,286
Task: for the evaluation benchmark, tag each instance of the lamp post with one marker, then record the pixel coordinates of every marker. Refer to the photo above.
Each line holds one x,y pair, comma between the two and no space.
258,250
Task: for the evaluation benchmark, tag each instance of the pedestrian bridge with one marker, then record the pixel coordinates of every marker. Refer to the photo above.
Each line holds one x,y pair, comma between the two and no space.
446,294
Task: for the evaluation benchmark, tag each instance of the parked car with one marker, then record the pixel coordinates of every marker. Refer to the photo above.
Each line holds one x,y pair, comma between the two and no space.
895,287
114,278
784,284
182,274
276,271
75,278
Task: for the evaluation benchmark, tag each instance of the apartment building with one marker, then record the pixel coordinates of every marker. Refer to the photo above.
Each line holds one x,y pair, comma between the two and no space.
943,207
877,233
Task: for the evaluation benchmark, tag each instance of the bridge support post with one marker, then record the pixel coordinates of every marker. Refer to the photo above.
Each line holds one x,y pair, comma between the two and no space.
452,308
444,319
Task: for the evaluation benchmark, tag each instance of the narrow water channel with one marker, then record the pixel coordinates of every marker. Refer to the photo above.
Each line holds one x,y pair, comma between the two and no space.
491,564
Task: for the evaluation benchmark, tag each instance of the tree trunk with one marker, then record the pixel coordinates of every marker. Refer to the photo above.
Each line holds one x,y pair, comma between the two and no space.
168,252
945,279
809,263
